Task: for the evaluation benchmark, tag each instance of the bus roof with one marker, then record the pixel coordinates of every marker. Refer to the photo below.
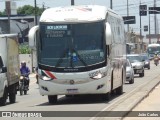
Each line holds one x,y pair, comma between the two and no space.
75,13
153,45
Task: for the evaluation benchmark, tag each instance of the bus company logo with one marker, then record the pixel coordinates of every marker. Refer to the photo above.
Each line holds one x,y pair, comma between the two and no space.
71,82
6,114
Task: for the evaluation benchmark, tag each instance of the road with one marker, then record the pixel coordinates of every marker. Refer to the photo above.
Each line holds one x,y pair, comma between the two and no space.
33,101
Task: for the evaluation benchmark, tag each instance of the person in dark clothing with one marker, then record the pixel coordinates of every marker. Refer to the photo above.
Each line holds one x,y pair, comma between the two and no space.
25,71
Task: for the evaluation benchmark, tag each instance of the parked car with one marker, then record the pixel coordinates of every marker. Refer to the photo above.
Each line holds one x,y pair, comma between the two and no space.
146,60
129,72
137,63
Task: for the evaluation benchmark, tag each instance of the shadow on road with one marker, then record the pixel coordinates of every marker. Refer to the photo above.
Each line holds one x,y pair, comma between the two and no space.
80,99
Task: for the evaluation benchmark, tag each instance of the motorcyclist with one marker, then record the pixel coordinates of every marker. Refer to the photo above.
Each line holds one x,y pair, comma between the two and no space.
156,58
25,71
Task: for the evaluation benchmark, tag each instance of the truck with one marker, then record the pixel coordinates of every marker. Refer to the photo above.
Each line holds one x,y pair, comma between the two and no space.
9,68
66,63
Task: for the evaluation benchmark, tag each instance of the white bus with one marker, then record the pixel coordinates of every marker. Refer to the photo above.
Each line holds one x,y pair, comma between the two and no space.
152,49
67,63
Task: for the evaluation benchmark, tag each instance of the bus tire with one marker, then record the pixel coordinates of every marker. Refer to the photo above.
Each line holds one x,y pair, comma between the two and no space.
4,98
52,99
119,90
106,96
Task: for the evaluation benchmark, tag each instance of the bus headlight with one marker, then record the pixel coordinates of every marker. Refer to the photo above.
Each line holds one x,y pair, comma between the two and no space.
98,76
45,78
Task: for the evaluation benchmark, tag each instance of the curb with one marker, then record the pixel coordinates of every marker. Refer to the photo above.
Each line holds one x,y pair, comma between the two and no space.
130,101
145,95
141,95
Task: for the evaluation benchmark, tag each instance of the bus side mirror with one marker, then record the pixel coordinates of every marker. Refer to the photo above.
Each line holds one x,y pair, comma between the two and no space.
108,34
33,36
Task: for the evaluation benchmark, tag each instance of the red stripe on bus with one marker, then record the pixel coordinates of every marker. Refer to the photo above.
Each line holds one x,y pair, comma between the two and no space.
50,74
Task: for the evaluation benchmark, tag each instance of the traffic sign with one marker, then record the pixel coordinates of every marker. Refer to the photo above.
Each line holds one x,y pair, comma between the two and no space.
145,28
154,10
129,19
143,10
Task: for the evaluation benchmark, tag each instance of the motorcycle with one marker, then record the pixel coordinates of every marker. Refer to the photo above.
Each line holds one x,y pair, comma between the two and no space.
23,86
156,61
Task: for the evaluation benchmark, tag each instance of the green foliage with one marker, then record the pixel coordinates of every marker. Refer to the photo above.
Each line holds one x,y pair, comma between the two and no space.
2,13
29,10
24,49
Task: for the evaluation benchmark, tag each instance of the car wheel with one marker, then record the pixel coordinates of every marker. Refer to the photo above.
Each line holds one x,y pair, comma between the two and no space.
131,81
141,75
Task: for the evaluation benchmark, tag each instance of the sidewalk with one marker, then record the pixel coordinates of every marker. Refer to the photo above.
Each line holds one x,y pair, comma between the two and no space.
32,75
150,103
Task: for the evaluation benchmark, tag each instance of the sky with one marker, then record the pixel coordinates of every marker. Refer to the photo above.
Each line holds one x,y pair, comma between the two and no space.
119,6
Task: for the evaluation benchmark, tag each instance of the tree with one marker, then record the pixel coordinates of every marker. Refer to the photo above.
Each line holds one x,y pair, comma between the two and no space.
24,49
29,10
2,13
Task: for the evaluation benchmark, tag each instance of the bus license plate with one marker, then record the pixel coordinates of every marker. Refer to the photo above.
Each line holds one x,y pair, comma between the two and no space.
72,91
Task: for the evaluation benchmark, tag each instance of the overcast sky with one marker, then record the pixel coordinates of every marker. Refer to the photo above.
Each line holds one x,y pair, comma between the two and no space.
119,6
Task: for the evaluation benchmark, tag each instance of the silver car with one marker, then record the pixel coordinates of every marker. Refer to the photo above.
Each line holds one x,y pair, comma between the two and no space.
129,72
137,63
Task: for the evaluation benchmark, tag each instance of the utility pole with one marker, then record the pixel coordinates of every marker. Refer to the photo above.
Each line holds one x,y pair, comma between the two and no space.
111,6
155,18
35,11
127,15
155,22
72,2
141,32
149,30
8,10
43,6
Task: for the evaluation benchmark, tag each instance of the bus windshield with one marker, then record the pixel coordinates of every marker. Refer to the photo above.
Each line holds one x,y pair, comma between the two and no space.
72,45
154,49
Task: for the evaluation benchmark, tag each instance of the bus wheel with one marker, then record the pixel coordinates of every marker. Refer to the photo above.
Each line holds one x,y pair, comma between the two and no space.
106,96
119,90
52,99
